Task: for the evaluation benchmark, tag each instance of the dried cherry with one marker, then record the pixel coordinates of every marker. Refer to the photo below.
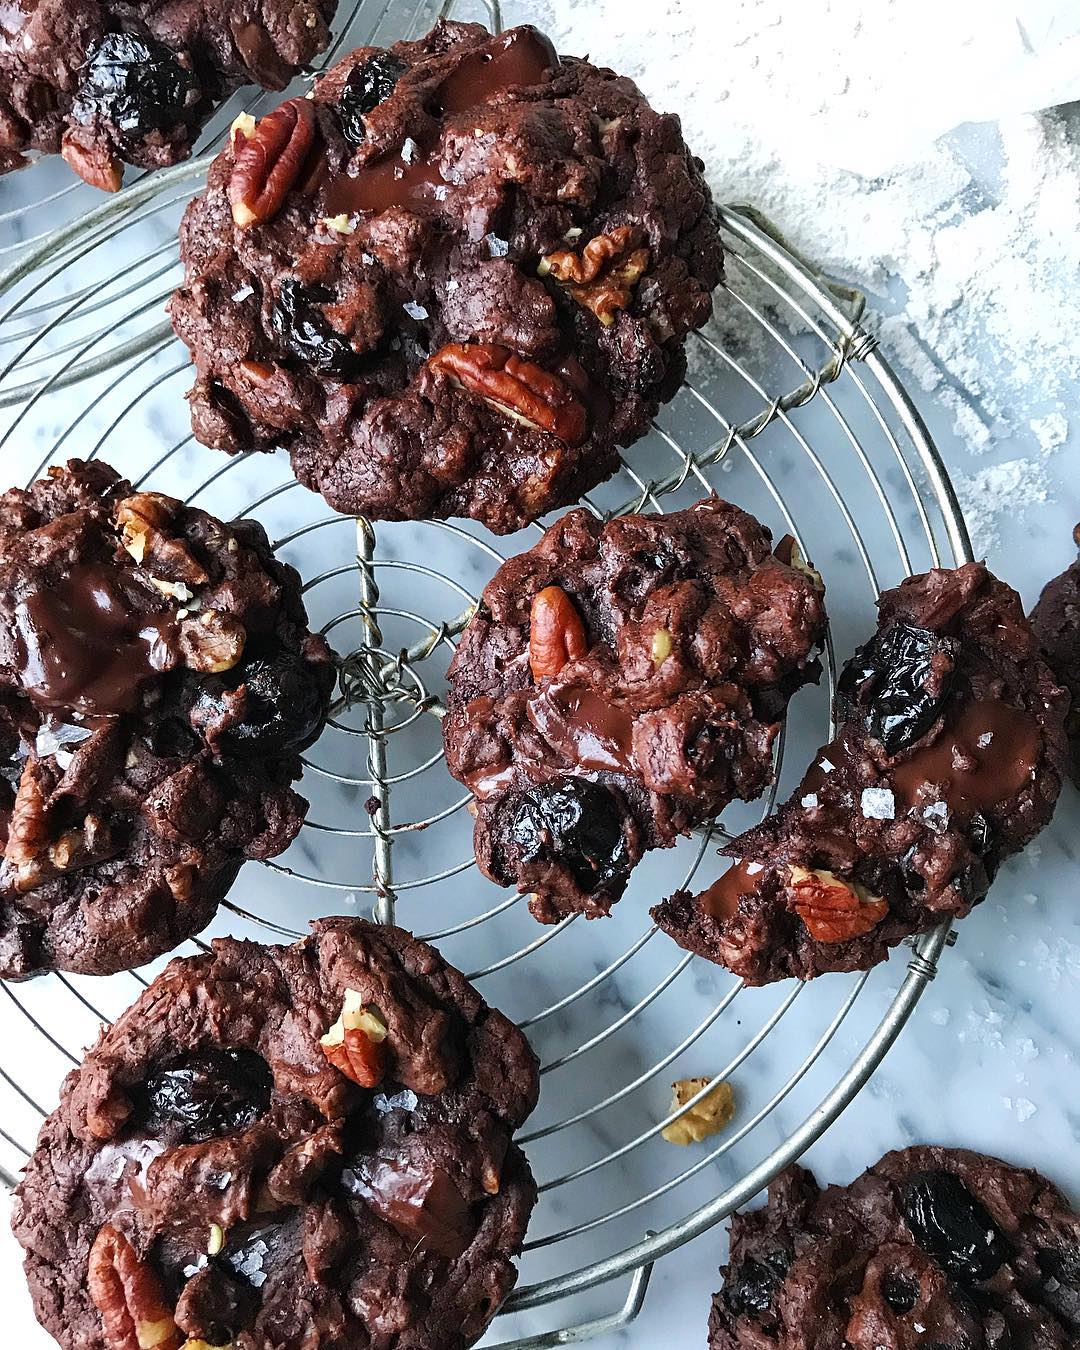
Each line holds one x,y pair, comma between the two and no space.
901,1292
307,332
753,1287
367,86
137,84
576,823
208,1093
267,706
953,1227
896,684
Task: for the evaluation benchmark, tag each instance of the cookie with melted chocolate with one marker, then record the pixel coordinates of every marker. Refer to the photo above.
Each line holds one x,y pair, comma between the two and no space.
932,1247
470,283
157,683
105,83
287,1148
947,761
621,684
1056,620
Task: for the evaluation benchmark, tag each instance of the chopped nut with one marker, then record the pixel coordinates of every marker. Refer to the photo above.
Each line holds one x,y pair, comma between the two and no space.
243,125
339,224
789,552
603,276
175,590
833,909
216,1240
145,520
556,632
355,1043
91,160
129,1296
661,646
28,832
212,642
91,843
180,879
518,388
706,1117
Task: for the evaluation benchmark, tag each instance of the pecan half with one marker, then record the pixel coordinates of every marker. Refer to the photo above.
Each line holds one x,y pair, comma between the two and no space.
603,275
270,162
91,161
145,521
212,642
355,1044
523,390
27,848
129,1296
556,632
834,910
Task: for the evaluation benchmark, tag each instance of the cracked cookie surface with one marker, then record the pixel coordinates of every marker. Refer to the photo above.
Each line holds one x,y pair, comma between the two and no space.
451,284
1056,621
931,1247
103,83
221,1169
157,683
947,761
621,684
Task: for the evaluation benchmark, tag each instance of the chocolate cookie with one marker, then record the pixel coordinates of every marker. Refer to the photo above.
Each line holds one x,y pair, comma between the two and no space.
157,681
453,283
102,81
932,1249
286,1148
620,684
948,760
1056,621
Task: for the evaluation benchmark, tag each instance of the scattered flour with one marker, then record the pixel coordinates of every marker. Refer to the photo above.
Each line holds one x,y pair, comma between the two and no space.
835,131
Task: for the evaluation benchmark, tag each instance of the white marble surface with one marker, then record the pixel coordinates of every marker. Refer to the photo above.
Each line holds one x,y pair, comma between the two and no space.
989,1059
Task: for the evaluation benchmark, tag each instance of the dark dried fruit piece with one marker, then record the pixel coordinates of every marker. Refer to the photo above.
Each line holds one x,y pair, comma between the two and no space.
265,706
209,1093
574,822
752,1288
307,332
137,84
367,86
901,1291
896,683
953,1227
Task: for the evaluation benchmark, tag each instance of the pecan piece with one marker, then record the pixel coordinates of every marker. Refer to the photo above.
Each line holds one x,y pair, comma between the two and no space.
521,389
556,632
129,1296
834,910
270,162
27,848
91,843
355,1044
145,521
213,642
603,276
91,161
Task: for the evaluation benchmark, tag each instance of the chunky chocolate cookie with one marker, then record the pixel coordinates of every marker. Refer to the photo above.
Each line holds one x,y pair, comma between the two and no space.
948,760
620,684
453,283
1056,621
286,1148
157,681
102,81
932,1249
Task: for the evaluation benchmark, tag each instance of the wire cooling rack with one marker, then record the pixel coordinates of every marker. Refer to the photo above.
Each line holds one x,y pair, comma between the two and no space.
788,410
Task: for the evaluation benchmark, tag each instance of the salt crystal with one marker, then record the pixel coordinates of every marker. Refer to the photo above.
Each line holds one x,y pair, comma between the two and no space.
53,738
810,800
498,248
413,310
409,150
1025,1109
367,259
878,804
243,293
753,868
985,739
826,766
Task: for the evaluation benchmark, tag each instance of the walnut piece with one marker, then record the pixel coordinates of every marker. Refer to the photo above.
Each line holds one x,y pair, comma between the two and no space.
145,520
212,642
355,1044
603,276
707,1117
129,1296
834,910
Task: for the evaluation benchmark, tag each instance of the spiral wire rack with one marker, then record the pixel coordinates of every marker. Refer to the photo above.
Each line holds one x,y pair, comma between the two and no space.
839,458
